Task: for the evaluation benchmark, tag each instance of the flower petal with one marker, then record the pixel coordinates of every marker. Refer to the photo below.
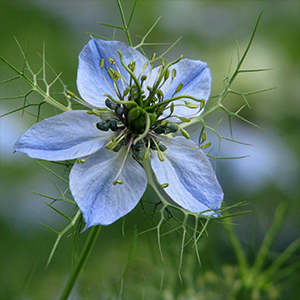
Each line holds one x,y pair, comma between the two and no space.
91,184
91,84
196,79
70,135
192,181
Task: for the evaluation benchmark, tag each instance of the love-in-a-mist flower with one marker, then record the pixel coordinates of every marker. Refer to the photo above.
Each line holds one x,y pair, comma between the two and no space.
132,119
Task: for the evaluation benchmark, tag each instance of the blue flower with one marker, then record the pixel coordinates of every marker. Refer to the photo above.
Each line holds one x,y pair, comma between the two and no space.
134,109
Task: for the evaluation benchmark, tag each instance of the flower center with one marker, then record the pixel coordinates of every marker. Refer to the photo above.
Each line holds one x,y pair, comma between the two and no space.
136,109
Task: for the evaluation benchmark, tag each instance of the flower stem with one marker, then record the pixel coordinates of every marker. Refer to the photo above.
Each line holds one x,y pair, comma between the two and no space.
82,259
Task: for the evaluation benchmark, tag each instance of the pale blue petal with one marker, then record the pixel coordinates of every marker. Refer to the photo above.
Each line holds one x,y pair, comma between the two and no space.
70,135
91,84
91,184
196,79
191,178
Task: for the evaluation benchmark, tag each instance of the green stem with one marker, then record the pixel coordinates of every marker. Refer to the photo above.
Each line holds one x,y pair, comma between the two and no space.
82,259
267,242
124,22
239,252
151,182
36,88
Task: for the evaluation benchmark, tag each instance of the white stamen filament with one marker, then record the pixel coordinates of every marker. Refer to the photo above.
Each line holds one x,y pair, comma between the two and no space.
116,96
117,180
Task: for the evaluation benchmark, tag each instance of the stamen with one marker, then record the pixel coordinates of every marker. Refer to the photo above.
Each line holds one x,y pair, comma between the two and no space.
120,101
138,87
111,60
190,105
174,73
147,150
160,155
184,132
152,64
117,90
114,142
71,96
181,97
172,108
102,70
167,75
121,77
143,69
157,83
178,89
153,58
102,63
117,180
81,161
205,145
183,119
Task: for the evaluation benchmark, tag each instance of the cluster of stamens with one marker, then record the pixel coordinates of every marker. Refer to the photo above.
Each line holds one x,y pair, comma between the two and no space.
134,115
137,116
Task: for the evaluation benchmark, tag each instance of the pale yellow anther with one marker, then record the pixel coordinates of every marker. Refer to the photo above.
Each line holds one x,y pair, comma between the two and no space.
174,73
206,145
160,155
184,133
118,181
102,63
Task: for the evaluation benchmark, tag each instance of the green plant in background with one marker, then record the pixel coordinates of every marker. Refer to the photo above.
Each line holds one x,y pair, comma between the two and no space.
191,225
260,280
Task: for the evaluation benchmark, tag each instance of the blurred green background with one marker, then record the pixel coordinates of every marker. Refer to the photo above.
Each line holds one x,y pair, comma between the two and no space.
270,175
